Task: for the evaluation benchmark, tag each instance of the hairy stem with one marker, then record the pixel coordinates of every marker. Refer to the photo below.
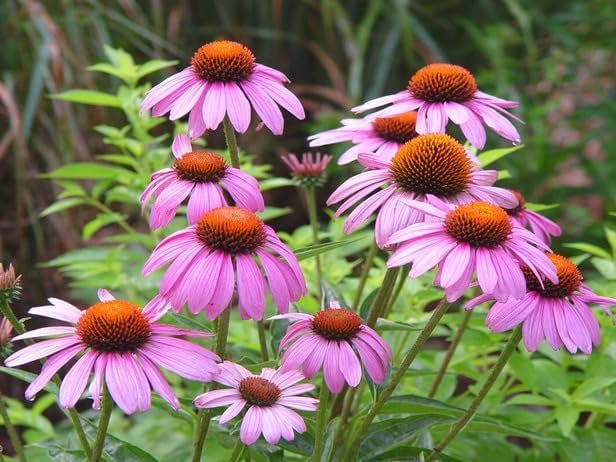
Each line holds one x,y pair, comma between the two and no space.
205,415
502,360
455,341
372,251
319,431
403,275
231,141
262,342
103,424
383,296
311,206
10,429
410,356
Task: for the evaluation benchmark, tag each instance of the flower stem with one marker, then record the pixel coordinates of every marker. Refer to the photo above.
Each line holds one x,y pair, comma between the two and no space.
103,423
422,338
238,450
319,431
372,251
346,411
231,141
311,206
205,415
8,314
396,293
510,347
10,429
383,296
455,341
262,342
72,413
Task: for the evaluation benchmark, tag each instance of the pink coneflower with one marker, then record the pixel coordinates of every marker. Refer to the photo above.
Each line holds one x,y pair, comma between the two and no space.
428,164
202,175
270,398
543,227
381,135
223,79
440,92
309,171
474,237
123,344
337,340
558,313
220,249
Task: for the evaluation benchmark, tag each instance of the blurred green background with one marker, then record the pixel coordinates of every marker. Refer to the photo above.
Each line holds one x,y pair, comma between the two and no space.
556,57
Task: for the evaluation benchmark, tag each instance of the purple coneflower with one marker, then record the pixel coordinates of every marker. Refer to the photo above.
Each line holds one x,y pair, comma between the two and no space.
381,135
220,249
543,227
558,313
336,340
440,92
269,398
428,164
309,171
202,175
474,237
123,345
223,79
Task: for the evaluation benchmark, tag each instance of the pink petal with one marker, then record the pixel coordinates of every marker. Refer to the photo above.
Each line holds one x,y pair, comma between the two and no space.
237,106
76,379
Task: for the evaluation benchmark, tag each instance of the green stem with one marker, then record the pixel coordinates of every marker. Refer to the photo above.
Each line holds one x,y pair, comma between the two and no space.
311,206
319,431
262,342
10,429
422,338
103,424
372,251
383,296
237,452
403,275
231,141
455,341
205,415
8,314
72,414
346,412
510,347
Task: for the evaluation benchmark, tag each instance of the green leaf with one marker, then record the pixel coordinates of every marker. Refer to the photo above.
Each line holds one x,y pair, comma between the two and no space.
273,183
102,220
540,207
592,385
96,98
411,454
386,324
62,205
271,213
153,66
117,450
317,249
591,445
589,248
27,377
488,157
611,238
418,405
88,171
387,434
566,416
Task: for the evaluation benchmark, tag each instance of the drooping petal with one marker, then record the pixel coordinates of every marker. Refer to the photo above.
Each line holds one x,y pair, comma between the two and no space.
76,379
